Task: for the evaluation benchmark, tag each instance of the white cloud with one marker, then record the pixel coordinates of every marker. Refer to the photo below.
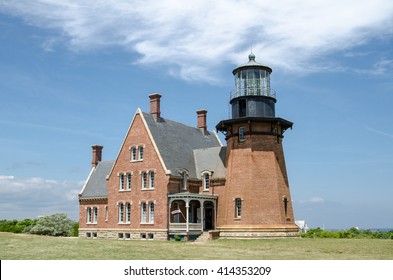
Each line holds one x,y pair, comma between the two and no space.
312,200
192,38
316,200
31,197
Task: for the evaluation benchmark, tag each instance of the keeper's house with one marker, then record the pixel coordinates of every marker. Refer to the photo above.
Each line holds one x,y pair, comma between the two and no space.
170,179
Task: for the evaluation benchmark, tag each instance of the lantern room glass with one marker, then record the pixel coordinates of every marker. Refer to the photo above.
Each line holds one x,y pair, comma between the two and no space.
252,81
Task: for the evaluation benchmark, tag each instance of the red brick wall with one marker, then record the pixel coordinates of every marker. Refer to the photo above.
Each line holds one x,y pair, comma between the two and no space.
138,136
256,173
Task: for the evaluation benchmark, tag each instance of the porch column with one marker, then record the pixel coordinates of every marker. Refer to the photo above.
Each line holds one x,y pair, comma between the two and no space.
187,214
202,215
169,213
215,213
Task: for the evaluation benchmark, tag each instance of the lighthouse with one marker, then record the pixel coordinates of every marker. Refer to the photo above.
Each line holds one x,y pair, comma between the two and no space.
256,201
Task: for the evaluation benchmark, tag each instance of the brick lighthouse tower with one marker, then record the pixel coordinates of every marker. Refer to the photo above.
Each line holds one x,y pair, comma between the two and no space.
256,201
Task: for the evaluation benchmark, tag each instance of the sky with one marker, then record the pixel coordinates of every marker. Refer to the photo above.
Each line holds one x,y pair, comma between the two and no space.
73,73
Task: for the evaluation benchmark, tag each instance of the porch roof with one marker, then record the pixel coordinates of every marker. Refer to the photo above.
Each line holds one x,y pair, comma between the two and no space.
184,195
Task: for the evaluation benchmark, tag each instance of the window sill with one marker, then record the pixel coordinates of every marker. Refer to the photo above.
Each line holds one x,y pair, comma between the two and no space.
150,189
90,223
127,223
147,223
136,160
124,190
237,218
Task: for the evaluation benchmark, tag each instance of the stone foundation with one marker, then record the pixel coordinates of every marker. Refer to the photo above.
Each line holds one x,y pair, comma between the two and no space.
123,234
254,233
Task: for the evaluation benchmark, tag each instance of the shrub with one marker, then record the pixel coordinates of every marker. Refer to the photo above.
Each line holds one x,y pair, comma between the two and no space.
55,225
75,230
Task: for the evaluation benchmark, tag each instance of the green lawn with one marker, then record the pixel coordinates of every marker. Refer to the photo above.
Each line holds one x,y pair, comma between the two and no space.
29,247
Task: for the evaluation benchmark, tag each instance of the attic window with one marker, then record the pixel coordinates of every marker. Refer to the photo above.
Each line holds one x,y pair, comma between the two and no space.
137,153
184,180
206,181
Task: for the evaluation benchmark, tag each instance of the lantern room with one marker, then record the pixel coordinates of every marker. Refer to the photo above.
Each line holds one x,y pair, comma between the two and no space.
252,96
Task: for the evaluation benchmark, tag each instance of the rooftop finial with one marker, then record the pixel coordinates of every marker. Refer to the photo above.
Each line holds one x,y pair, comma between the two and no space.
251,56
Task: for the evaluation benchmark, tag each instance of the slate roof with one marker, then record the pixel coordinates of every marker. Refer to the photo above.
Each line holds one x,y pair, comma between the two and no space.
95,186
211,159
176,143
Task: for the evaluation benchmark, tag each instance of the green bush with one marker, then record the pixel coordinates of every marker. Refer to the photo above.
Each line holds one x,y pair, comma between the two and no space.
350,233
55,225
75,230
16,226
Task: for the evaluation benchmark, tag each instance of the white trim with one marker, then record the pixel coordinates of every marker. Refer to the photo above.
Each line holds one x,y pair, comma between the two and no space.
218,139
87,180
153,142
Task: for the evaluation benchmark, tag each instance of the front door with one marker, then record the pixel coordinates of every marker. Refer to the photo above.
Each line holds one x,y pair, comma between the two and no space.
208,218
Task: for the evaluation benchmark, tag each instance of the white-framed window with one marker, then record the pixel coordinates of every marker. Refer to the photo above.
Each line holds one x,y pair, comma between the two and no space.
133,154
206,181
143,212
89,215
184,181
137,153
151,179
121,213
95,215
106,213
241,134
238,208
121,181
129,181
144,180
151,212
128,212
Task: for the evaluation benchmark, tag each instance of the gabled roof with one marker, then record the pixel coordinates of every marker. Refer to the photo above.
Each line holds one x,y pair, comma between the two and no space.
211,159
95,186
176,143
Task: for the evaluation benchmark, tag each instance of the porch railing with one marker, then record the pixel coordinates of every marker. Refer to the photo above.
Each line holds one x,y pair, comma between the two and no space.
183,227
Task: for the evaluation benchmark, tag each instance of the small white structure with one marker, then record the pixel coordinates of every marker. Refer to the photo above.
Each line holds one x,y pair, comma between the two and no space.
303,227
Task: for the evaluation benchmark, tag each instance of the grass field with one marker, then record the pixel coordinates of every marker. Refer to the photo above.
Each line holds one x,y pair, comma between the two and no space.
33,247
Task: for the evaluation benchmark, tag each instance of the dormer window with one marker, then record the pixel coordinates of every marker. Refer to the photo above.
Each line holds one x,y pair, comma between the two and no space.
206,181
184,181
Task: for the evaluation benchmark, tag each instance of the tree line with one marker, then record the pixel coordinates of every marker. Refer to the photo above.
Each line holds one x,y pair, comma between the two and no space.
53,225
349,233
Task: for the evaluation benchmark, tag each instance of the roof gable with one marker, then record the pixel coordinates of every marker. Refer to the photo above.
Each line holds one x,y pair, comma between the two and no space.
176,143
95,186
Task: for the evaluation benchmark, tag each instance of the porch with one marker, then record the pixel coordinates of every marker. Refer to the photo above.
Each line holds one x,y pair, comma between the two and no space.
190,214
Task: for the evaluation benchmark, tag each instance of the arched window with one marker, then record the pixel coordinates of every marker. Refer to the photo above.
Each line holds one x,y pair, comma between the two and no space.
241,134
206,181
121,213
151,179
89,215
128,212
184,181
151,212
129,177
144,179
238,208
121,181
143,212
95,214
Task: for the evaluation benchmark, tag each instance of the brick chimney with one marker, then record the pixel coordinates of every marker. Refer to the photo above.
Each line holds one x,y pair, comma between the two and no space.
155,106
97,155
202,120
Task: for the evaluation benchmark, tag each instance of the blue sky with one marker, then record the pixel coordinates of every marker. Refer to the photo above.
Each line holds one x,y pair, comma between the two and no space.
73,74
